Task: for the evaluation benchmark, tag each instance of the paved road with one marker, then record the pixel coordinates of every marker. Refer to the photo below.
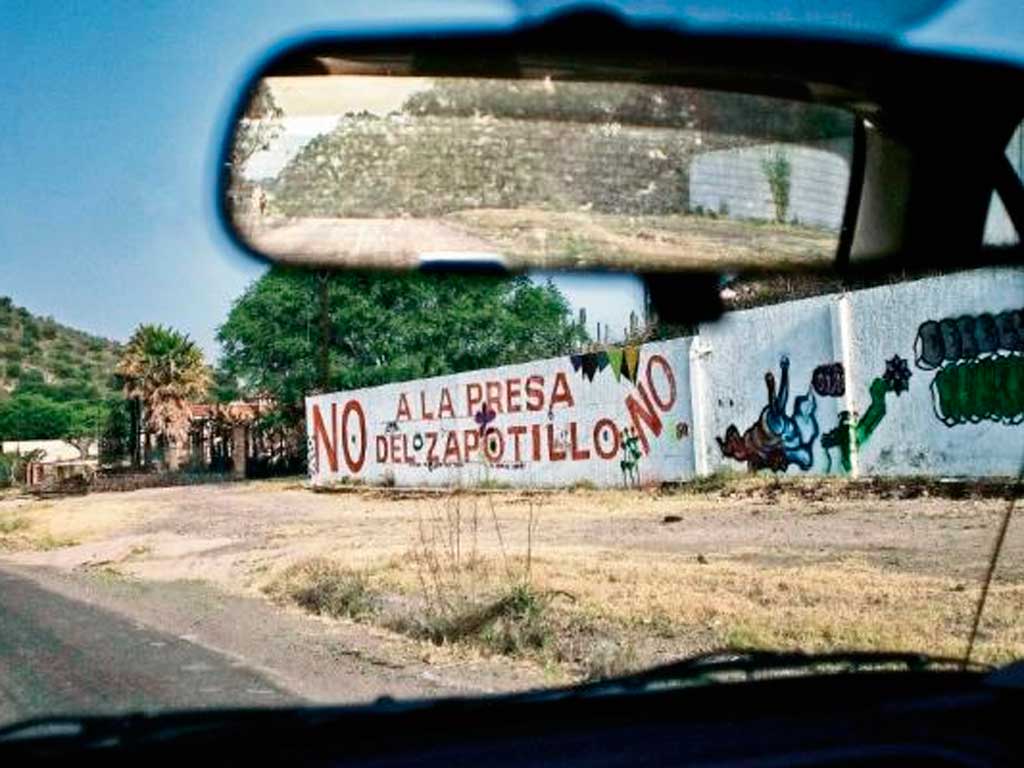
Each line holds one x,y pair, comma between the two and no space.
59,656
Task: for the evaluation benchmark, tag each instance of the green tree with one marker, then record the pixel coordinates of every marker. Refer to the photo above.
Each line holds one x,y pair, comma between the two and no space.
386,327
31,416
86,422
116,438
225,388
165,371
778,171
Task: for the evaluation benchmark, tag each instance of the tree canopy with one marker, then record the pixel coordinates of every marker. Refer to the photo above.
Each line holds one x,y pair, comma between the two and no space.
75,411
381,328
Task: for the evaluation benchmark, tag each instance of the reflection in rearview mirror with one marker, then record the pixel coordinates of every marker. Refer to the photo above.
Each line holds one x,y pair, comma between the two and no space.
383,171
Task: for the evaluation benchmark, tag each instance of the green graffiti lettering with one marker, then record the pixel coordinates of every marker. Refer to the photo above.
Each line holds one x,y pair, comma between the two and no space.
986,389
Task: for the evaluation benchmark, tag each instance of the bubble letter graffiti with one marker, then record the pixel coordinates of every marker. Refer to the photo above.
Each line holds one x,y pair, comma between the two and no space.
980,368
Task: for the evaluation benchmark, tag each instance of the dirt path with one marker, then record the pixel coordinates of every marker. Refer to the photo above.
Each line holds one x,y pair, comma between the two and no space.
650,575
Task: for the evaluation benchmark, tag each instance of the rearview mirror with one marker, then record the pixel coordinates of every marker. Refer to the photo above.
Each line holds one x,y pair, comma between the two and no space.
384,156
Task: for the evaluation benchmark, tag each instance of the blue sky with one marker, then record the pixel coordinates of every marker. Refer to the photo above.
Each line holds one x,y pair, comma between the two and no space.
111,114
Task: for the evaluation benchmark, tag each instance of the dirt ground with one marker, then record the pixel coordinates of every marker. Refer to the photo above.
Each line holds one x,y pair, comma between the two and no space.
531,238
629,577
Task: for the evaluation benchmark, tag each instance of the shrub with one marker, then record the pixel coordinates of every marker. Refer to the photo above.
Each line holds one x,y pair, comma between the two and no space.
324,588
13,370
64,371
49,329
512,624
521,623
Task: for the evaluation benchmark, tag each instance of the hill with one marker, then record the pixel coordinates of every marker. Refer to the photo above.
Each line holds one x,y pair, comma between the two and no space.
38,350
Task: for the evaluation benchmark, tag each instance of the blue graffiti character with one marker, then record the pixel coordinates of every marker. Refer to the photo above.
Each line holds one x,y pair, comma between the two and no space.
776,439
795,432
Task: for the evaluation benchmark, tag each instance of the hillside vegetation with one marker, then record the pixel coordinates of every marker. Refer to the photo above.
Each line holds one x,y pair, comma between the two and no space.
33,347
55,381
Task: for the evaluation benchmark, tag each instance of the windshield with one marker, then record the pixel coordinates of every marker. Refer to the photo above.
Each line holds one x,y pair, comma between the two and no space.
225,482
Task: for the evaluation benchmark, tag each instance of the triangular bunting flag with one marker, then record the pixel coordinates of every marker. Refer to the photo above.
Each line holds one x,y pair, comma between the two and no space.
630,362
615,361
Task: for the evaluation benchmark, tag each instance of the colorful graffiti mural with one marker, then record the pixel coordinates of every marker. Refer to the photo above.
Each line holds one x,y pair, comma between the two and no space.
777,439
852,431
979,367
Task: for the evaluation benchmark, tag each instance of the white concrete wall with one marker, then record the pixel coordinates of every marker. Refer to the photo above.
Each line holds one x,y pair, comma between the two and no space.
544,423
732,182
874,335
916,378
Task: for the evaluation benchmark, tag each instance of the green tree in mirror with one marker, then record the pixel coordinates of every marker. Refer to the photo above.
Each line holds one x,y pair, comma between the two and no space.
165,371
778,170
258,127
385,327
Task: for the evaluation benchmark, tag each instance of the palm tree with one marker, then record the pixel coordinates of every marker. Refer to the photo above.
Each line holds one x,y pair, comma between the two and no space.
165,371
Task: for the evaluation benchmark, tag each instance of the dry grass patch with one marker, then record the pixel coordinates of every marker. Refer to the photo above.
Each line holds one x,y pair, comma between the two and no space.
19,532
442,590
324,588
9,525
469,575
833,605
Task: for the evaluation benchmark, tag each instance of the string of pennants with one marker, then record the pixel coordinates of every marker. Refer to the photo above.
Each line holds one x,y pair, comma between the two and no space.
624,362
